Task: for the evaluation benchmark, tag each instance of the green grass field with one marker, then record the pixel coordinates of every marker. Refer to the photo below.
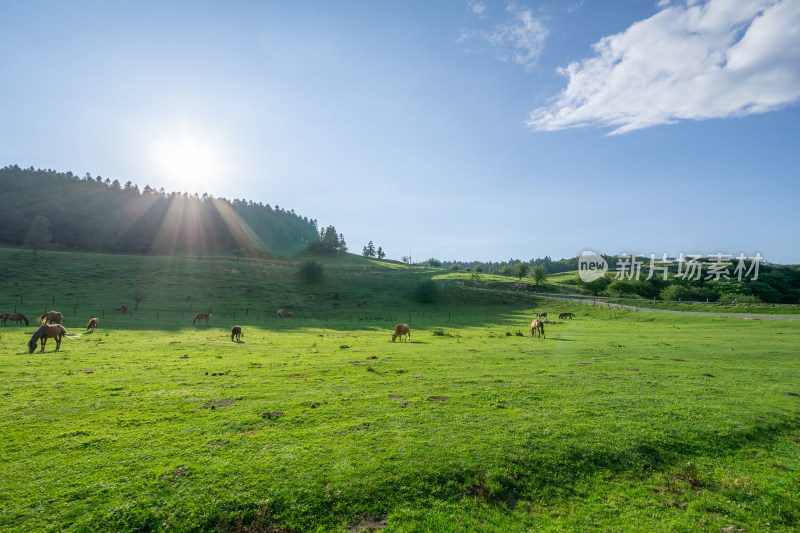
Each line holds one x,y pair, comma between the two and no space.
617,421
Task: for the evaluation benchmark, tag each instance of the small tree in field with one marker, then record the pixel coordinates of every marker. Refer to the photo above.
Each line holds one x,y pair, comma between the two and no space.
539,274
521,269
137,298
621,286
596,286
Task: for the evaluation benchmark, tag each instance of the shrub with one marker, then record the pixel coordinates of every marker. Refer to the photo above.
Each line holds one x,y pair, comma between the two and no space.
426,292
676,292
311,271
730,298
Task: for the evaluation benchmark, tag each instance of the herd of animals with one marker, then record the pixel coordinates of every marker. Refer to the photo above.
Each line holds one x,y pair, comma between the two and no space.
51,327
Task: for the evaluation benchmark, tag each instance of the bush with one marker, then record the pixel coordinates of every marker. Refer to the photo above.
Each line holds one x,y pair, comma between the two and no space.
311,271
676,292
739,299
426,292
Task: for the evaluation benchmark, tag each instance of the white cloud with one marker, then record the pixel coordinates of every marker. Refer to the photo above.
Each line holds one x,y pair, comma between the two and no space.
477,7
692,61
519,39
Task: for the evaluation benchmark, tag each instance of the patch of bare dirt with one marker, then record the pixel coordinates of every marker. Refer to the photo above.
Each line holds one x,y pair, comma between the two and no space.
213,404
368,524
272,414
395,397
437,398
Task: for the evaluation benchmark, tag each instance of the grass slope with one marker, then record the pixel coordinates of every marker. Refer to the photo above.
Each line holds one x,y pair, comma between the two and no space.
616,421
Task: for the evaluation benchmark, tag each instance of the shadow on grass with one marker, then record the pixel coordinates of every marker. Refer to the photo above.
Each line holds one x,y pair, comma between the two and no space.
538,472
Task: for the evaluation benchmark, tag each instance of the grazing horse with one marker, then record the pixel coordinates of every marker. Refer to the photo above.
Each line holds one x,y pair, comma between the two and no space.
538,327
16,317
541,315
123,309
93,324
201,316
337,305
236,332
400,331
50,317
45,331
566,315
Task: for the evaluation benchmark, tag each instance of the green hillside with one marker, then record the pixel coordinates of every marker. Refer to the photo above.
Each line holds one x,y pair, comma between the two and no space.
615,421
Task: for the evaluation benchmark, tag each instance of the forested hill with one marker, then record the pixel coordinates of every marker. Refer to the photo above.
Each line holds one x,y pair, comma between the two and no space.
45,209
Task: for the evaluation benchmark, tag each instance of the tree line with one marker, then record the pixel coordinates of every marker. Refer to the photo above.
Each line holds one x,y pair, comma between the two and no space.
45,209
774,284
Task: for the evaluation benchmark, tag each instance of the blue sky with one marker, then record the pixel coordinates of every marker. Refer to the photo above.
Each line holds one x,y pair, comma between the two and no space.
468,130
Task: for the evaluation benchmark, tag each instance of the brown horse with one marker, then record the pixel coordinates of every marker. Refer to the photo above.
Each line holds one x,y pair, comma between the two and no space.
123,309
201,316
92,325
538,327
50,317
400,331
45,331
16,317
236,332
562,316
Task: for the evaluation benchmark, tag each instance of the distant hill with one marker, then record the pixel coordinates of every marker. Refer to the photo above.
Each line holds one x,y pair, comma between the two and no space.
45,209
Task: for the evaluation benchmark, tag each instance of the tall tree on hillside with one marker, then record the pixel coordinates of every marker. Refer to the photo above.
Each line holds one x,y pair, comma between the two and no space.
329,242
369,250
38,235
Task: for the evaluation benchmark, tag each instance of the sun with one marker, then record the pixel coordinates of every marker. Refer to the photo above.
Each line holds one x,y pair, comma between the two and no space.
189,160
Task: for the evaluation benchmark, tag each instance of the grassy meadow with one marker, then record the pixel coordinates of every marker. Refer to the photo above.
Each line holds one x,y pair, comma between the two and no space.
616,421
